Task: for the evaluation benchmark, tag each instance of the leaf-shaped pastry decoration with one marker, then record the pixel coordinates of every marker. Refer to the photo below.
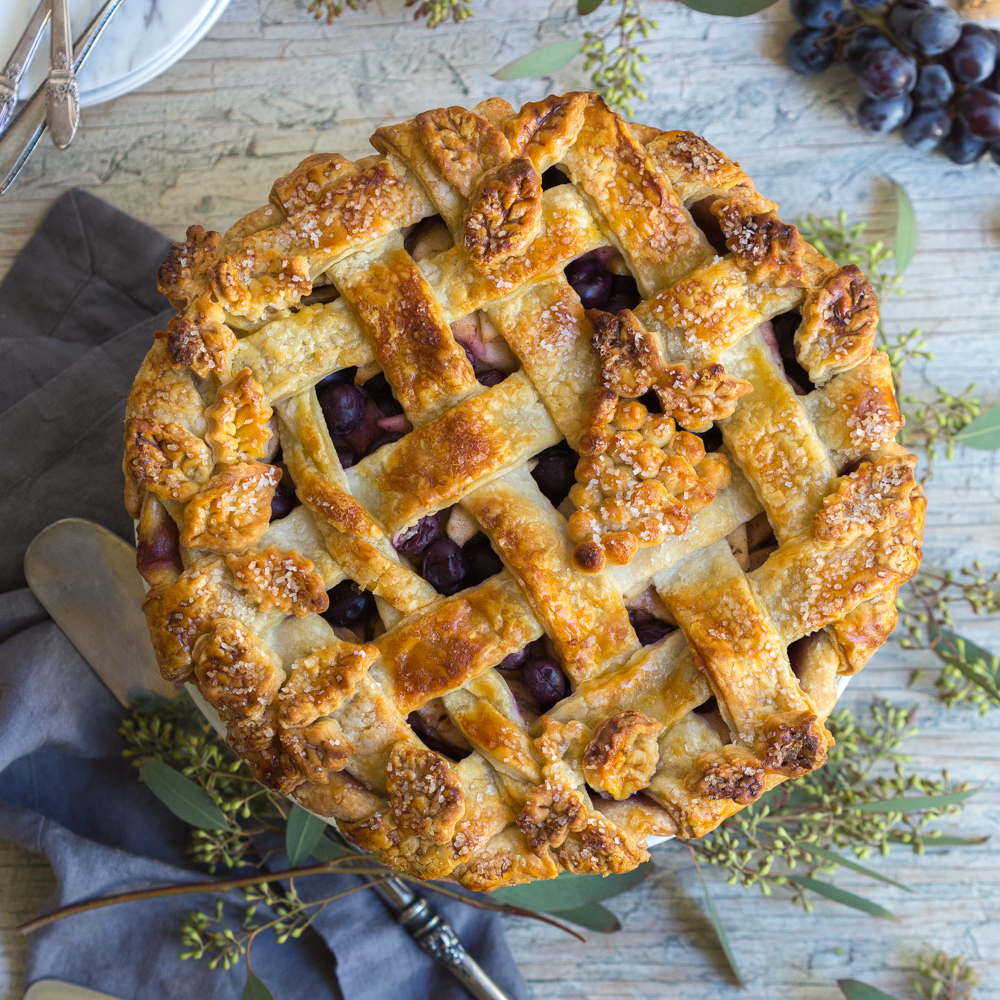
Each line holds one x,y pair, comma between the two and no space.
541,61
462,145
542,130
504,215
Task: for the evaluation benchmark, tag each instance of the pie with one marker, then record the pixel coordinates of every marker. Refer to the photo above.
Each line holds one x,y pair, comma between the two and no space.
520,491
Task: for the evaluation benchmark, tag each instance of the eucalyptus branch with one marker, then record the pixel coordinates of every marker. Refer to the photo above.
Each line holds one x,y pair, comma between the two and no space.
361,865
617,75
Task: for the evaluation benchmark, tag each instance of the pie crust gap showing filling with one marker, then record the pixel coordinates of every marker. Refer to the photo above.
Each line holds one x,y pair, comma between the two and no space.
519,491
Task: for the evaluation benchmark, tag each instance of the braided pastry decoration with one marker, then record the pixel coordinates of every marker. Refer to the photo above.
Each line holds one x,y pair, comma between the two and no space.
772,561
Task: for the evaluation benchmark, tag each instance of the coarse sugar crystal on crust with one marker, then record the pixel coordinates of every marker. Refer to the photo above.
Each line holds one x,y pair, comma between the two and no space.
727,503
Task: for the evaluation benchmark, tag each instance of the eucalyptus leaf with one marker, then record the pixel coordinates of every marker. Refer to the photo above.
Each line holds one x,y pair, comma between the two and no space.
728,8
854,989
569,892
593,916
914,803
954,841
820,852
584,7
185,799
720,931
328,848
906,230
255,989
541,61
841,896
303,832
983,433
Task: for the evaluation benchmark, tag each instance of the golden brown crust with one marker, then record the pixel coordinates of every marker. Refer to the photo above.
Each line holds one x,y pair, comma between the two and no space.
632,364
638,481
425,795
183,275
278,579
236,673
543,130
808,594
461,144
232,510
504,213
198,337
838,327
166,459
238,428
322,682
622,757
772,251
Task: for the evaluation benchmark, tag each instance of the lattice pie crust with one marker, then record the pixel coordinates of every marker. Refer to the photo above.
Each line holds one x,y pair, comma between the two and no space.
638,747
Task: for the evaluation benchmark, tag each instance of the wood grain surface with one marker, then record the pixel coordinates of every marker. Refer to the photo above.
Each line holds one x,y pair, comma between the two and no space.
268,86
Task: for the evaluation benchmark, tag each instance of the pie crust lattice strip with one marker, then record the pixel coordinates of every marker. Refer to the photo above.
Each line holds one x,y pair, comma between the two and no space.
772,560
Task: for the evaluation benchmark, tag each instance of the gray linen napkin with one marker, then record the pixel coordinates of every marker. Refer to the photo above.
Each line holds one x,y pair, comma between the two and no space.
77,313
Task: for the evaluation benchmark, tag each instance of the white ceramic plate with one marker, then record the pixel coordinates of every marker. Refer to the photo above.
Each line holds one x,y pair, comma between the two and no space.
143,38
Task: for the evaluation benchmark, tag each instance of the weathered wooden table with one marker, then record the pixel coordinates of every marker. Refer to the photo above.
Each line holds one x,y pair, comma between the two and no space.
269,86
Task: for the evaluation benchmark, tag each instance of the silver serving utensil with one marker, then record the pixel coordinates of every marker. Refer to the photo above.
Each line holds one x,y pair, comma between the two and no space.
22,135
85,577
62,92
20,58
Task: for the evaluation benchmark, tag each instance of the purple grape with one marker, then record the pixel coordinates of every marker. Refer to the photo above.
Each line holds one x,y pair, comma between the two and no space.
343,406
490,377
593,287
902,14
343,375
888,73
960,146
555,472
881,117
415,539
866,39
345,453
848,17
387,438
348,604
927,128
514,661
648,628
444,566
979,109
992,82
285,500
809,51
816,13
867,4
624,294
545,681
381,392
934,87
935,30
482,561
973,57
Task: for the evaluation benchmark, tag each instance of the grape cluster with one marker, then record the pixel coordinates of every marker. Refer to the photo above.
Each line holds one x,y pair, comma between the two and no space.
921,68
